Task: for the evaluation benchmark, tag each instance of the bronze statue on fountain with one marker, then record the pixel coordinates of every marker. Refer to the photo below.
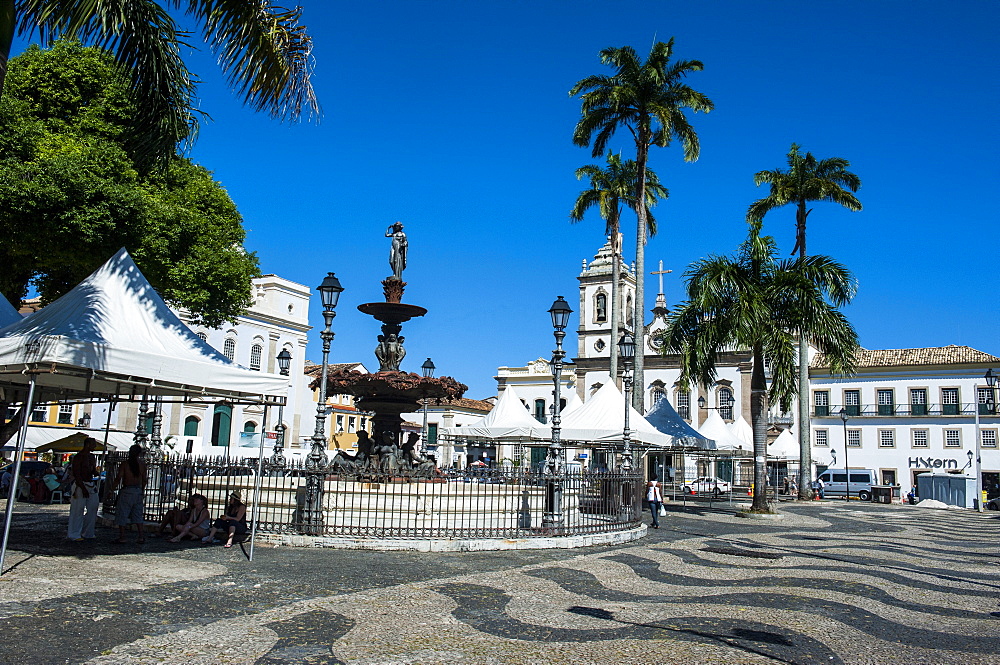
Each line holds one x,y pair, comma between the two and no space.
390,392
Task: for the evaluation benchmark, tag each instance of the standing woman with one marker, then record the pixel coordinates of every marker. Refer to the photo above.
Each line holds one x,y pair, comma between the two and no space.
234,520
129,508
83,504
655,499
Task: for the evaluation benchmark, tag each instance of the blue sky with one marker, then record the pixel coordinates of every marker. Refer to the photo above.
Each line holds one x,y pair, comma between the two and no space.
454,118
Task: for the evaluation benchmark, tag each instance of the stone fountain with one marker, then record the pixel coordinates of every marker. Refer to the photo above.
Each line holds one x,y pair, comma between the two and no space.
390,392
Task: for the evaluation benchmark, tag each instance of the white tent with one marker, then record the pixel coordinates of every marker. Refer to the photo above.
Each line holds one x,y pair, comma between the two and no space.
8,314
715,428
602,418
741,430
785,447
508,420
113,335
664,418
572,404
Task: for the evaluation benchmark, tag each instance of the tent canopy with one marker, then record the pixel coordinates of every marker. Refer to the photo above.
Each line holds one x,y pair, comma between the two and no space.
602,418
664,418
508,420
70,444
741,430
715,428
784,447
113,335
8,314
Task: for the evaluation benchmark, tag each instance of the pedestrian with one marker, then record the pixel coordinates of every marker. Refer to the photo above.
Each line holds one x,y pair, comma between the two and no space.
84,501
655,499
819,487
129,507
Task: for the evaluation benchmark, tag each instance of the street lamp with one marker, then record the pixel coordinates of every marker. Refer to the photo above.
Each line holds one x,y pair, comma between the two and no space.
329,292
427,369
847,467
553,516
991,382
284,359
626,351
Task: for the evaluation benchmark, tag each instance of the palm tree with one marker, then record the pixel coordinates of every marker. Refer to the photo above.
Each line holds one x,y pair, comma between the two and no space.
756,302
807,179
649,100
265,53
610,189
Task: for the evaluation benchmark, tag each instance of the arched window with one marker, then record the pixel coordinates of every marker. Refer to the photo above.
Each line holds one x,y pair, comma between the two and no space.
656,393
222,423
191,426
725,402
229,348
684,404
256,351
540,410
203,336
249,427
601,308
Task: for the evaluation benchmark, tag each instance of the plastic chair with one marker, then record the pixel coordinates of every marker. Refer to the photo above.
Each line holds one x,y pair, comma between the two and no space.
52,497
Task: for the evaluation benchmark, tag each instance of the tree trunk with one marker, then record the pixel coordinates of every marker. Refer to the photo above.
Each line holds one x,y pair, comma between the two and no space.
805,436
758,414
6,37
639,317
616,248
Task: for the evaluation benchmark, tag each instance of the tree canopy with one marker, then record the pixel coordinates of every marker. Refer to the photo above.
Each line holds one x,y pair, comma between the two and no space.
71,195
264,51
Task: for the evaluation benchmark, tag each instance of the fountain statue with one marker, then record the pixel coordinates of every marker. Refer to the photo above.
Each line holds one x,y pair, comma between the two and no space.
390,392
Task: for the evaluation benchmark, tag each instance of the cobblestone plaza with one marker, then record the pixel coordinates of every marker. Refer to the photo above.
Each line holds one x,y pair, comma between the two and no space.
827,583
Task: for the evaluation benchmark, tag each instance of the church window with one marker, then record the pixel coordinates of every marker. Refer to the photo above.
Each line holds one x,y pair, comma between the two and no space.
725,402
203,336
256,351
601,308
629,316
657,393
540,410
599,345
684,404
229,348
191,426
222,421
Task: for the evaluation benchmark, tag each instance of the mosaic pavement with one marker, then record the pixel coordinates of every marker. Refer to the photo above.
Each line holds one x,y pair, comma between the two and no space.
829,583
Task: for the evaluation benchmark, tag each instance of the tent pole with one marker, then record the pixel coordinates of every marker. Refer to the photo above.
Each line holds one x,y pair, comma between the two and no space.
107,428
257,482
12,497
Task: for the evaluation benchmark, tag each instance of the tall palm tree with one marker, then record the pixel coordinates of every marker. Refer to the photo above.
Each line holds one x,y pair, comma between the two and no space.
610,189
807,179
648,99
754,301
264,51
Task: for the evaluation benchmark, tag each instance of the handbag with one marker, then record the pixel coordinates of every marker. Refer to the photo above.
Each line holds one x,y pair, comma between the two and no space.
663,511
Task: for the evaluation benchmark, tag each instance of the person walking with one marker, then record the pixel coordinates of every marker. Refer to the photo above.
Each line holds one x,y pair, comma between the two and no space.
83,505
655,498
129,507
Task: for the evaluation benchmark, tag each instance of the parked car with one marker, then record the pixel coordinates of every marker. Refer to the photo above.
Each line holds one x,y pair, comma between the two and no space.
708,484
835,483
993,504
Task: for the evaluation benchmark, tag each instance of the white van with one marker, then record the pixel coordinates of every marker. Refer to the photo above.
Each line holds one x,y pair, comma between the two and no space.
835,481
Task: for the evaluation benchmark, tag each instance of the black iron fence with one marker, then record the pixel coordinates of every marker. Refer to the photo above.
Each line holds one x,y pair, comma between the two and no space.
487,503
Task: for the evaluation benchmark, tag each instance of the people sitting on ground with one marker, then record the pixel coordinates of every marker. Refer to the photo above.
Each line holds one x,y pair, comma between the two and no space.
198,523
233,521
129,508
175,518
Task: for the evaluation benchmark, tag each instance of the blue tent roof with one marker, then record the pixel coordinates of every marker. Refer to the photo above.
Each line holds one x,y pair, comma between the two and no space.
664,418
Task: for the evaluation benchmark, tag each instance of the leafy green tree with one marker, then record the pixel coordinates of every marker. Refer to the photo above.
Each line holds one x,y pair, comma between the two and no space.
71,196
610,189
649,99
754,301
264,51
806,179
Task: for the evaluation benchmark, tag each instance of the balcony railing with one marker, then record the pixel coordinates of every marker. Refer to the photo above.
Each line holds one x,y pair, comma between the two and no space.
903,410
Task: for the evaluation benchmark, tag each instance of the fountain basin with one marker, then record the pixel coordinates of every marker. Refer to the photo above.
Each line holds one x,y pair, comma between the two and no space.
391,312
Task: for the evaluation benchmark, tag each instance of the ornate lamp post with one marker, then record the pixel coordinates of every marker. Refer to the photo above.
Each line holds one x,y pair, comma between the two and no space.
427,369
626,351
278,457
317,460
553,516
991,383
847,467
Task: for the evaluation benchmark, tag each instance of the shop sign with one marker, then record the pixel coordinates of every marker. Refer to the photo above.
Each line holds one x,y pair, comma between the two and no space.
932,463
